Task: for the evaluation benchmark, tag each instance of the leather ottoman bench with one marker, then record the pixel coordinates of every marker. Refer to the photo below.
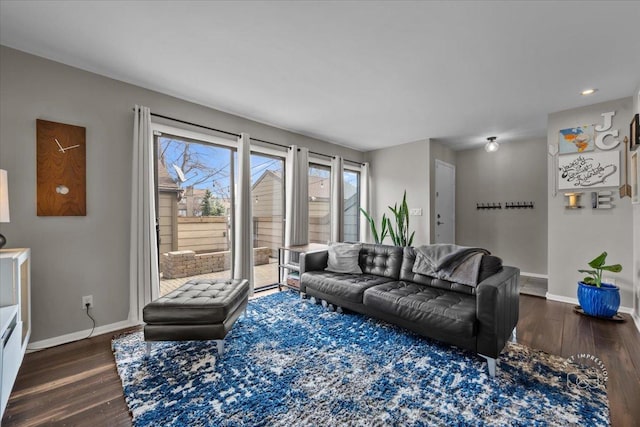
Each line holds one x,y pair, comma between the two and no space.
201,309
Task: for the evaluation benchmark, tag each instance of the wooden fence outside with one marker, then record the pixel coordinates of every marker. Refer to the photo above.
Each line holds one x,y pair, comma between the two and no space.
203,234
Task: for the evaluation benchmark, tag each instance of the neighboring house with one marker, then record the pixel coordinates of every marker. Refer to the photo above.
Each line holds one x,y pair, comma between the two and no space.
268,211
168,196
268,208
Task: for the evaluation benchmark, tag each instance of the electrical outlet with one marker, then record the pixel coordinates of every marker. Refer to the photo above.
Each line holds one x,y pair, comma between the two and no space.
87,299
415,212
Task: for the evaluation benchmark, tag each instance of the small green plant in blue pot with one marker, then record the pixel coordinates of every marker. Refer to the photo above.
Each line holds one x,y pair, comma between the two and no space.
596,298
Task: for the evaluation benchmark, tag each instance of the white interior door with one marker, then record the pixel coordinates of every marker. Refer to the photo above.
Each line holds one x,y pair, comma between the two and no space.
445,207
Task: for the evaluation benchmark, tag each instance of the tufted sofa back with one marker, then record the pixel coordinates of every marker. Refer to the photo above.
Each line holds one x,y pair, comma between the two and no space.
381,260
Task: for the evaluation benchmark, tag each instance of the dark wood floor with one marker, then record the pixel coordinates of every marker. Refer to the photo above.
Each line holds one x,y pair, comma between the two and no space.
77,384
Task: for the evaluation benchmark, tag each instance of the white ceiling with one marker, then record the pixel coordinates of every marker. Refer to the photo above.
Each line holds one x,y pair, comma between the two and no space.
362,74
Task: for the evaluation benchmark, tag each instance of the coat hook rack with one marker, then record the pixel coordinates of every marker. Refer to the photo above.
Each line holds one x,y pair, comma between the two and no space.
518,205
489,205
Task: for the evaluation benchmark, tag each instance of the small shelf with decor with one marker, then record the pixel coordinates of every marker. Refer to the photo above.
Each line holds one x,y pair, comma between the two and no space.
288,266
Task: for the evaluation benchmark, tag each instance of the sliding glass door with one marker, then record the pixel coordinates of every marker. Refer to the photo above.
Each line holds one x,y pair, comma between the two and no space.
319,203
194,182
268,196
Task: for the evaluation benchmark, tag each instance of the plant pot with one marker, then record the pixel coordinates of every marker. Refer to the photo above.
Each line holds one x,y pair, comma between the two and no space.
601,301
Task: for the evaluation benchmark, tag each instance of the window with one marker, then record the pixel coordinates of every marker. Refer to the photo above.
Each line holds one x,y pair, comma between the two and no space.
351,214
319,203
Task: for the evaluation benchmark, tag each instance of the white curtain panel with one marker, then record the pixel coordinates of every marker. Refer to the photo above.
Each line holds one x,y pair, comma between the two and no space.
143,269
337,199
364,202
243,248
297,197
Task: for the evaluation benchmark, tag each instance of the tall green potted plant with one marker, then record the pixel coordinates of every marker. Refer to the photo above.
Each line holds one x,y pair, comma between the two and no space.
384,226
597,298
400,235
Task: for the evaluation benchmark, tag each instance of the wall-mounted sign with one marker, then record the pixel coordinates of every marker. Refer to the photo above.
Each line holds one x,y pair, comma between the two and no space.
602,199
589,170
605,130
576,140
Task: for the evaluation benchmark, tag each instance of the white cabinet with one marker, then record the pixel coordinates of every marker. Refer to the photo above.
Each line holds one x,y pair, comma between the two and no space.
15,316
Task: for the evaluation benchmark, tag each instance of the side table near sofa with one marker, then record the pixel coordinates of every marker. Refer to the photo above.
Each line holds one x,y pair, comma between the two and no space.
289,269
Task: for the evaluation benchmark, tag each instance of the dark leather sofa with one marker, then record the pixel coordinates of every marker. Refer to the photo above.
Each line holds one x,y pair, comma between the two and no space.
480,319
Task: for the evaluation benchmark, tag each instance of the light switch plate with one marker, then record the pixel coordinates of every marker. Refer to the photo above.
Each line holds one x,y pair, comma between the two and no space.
415,212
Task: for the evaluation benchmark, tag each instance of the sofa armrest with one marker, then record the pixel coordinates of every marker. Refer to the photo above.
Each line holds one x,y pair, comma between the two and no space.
312,261
497,310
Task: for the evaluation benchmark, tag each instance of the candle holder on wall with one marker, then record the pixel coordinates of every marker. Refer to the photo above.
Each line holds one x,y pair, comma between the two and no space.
573,200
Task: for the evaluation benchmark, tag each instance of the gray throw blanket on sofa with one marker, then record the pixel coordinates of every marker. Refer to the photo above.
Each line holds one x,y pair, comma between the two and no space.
460,264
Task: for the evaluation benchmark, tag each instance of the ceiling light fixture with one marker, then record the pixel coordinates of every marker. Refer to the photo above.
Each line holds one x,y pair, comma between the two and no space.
588,92
491,146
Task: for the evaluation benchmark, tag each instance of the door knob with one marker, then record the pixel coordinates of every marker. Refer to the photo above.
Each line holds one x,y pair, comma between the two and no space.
439,223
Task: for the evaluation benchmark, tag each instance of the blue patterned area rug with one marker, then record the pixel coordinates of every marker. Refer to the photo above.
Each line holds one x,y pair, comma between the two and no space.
290,362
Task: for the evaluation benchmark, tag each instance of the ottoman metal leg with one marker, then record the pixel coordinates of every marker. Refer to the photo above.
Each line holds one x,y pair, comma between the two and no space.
220,345
148,353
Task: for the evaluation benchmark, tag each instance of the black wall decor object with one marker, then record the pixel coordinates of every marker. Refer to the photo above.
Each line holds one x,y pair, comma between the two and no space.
507,205
634,133
518,205
489,205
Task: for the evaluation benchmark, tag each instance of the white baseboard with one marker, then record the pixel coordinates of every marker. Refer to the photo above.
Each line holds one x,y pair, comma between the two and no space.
574,301
534,275
76,336
636,320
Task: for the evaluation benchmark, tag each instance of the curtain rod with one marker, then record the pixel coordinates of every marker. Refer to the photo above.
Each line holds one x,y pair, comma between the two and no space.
238,136
195,124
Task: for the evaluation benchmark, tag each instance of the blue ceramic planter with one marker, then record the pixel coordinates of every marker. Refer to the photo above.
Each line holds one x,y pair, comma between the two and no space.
601,301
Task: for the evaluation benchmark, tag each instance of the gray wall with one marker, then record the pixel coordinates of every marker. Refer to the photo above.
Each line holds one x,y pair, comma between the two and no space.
75,256
437,151
516,172
399,168
577,236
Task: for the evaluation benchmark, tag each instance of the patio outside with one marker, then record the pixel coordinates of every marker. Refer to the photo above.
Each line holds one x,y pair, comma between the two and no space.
264,274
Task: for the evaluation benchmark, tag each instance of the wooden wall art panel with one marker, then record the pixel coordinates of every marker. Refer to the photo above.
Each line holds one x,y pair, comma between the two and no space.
61,169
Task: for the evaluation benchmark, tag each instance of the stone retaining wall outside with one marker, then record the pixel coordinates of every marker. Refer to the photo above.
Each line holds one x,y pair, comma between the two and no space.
179,264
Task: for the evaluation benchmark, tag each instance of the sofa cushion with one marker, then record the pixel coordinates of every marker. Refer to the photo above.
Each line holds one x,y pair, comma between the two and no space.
343,258
436,309
342,285
381,260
